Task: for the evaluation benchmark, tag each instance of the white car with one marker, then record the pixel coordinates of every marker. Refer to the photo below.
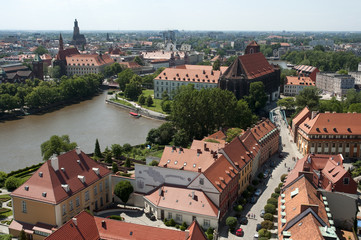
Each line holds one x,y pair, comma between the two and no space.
255,235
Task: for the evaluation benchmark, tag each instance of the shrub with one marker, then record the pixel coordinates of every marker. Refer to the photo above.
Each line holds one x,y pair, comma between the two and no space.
268,216
263,238
210,230
177,226
275,195
260,175
115,167
273,201
231,222
245,194
255,182
154,163
267,224
127,163
251,189
172,222
184,224
127,147
264,233
242,201
238,208
182,228
277,190
116,217
210,236
283,177
12,183
280,185
270,208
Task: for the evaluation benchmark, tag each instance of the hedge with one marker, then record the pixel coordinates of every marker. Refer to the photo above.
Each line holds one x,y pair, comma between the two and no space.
4,210
269,208
37,166
273,201
268,216
267,224
116,217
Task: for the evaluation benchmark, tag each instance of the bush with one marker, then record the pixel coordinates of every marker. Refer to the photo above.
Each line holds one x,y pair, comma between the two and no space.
268,216
255,182
127,163
116,217
4,210
231,222
177,226
154,163
242,201
246,194
277,190
6,236
273,201
210,230
171,222
182,228
283,177
251,189
238,208
270,208
267,224
275,195
260,175
12,183
264,233
210,236
127,147
184,224
280,185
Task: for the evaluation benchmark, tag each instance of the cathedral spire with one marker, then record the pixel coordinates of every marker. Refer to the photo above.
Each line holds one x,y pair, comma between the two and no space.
61,45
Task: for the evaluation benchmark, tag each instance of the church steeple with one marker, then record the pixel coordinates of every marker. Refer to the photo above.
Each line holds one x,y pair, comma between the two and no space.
61,44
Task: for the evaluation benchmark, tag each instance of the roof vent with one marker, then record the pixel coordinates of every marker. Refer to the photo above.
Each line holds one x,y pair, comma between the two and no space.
40,174
78,161
66,187
349,129
54,162
104,225
26,188
78,151
44,194
81,178
75,221
62,169
96,170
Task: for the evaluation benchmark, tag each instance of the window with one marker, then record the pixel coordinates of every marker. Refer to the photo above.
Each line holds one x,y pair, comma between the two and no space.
106,184
170,215
95,190
201,181
100,187
64,209
77,201
71,206
333,145
206,223
87,196
346,180
24,206
178,218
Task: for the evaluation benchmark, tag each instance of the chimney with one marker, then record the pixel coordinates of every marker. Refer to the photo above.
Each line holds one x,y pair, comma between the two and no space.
75,221
55,162
104,225
199,169
78,151
81,178
96,170
193,194
164,165
160,192
314,114
205,146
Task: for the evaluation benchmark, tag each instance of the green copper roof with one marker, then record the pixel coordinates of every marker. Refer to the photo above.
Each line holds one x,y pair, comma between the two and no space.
37,58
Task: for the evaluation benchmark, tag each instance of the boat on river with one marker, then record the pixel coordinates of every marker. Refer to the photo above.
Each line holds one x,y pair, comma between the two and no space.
290,65
136,115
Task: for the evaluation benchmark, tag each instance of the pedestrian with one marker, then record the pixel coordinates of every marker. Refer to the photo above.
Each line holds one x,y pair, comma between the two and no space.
248,215
285,165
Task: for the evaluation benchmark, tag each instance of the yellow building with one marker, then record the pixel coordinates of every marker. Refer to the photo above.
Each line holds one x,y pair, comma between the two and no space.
60,189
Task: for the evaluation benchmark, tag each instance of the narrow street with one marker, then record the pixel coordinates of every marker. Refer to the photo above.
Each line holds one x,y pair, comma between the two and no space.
269,184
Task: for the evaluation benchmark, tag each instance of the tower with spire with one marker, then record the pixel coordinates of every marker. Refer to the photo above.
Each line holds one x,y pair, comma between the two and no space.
78,39
61,44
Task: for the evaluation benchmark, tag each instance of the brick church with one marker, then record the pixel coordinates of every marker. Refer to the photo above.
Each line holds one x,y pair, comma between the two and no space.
249,68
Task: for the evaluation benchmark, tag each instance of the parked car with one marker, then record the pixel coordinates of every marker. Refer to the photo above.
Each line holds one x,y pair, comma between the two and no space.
243,220
266,173
253,199
258,227
255,235
273,164
258,192
262,213
239,232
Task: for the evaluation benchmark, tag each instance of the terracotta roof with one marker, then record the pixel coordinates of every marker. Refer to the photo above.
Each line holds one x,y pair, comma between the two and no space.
189,75
84,229
85,59
180,199
300,116
253,43
303,81
48,180
309,229
262,129
89,227
333,124
219,136
199,67
62,54
187,159
284,44
207,146
159,60
221,173
250,141
238,153
251,65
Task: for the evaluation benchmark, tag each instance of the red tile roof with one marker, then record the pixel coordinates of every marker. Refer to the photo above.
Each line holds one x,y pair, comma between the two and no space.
207,146
252,65
199,67
189,75
48,180
62,54
333,124
238,153
196,232
187,159
300,116
84,59
302,81
262,129
180,199
219,136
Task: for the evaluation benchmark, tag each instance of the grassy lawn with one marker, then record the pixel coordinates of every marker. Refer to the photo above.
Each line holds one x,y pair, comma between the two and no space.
156,105
158,154
122,102
5,198
6,214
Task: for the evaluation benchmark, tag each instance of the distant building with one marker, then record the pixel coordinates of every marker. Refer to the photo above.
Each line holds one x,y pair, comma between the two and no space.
86,226
294,85
324,43
15,73
335,84
357,76
38,67
306,71
78,39
359,67
61,188
172,78
249,68
81,64
60,59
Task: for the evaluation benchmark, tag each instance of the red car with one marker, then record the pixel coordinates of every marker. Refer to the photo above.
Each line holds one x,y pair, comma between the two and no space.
239,232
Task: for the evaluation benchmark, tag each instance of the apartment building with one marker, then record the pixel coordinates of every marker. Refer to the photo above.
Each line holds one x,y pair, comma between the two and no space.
81,64
62,187
294,85
336,84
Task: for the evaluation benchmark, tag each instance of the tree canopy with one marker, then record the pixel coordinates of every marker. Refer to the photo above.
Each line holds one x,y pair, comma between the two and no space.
56,145
288,103
257,97
112,70
309,96
124,78
133,89
40,50
123,190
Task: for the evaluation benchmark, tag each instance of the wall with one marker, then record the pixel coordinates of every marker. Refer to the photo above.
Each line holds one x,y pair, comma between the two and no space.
207,187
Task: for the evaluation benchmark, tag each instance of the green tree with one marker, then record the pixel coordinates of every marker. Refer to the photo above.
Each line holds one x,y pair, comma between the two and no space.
332,105
268,216
55,72
127,163
355,107
3,176
266,224
41,50
108,158
230,60
115,167
165,96
127,147
134,88
231,222
56,145
264,233
97,151
141,99
309,96
123,190
6,237
216,65
181,138
270,208
8,102
124,78
112,69
245,117
116,150
257,97
154,163
138,60
149,101
273,201
288,103
166,106
232,133
12,183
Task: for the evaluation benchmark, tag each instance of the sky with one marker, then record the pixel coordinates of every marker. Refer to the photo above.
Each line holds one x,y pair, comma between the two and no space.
223,15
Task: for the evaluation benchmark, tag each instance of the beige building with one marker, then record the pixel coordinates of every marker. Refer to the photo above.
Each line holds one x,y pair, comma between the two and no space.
296,84
81,64
61,188
335,83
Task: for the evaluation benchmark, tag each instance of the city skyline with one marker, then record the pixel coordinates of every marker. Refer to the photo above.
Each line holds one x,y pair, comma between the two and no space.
231,15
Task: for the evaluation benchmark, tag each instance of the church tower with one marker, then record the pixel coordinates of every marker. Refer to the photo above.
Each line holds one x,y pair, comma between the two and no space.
38,69
76,30
253,47
61,44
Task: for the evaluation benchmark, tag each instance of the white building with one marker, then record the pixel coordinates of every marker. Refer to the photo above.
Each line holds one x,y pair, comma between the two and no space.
294,85
335,83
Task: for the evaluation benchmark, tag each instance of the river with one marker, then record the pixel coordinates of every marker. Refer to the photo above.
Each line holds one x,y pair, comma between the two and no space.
84,122
281,63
